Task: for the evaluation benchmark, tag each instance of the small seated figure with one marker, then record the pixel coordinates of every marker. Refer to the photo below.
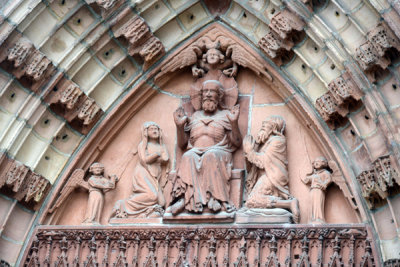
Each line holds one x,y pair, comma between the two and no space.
147,198
97,186
267,180
319,179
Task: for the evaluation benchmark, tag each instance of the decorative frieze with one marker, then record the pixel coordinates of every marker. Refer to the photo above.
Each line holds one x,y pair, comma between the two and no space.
334,105
286,29
141,40
375,55
67,100
19,182
377,182
28,64
392,263
202,246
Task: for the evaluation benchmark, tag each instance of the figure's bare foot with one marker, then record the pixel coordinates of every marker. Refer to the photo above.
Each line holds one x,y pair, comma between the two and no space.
214,205
229,207
178,207
294,207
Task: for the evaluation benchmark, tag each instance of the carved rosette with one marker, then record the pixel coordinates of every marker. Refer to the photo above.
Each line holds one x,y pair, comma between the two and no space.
334,105
67,100
374,56
377,182
21,183
206,246
141,40
30,65
286,29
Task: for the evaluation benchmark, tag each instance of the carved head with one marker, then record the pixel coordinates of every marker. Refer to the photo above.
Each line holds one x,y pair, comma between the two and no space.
320,163
272,125
96,168
151,130
213,56
212,93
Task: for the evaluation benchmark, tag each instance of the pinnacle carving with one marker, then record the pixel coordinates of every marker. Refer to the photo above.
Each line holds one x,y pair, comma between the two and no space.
377,182
334,105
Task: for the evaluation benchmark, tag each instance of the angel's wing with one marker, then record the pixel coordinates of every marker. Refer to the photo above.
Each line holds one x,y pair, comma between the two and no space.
243,58
75,180
338,179
187,57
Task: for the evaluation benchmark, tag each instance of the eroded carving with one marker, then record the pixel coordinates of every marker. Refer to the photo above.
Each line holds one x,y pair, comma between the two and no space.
141,40
376,183
88,111
149,178
375,55
267,180
334,105
277,49
324,173
287,25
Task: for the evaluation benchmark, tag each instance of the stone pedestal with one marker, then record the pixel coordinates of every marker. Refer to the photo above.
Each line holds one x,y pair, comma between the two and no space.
115,221
263,216
221,217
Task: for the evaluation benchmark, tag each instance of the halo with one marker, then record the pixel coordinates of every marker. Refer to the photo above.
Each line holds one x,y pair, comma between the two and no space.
228,84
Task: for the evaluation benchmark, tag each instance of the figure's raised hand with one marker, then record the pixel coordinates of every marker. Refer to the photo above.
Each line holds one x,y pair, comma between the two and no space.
233,116
248,143
180,117
197,72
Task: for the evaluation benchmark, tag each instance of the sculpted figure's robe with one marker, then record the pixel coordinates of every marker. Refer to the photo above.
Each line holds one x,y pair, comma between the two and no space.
270,165
204,172
146,194
319,182
98,185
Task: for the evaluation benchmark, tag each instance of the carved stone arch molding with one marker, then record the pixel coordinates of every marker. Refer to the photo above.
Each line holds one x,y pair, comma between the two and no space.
263,91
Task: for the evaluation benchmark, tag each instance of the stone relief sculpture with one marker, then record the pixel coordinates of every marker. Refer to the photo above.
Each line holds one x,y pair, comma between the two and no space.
211,135
267,180
323,174
147,199
97,186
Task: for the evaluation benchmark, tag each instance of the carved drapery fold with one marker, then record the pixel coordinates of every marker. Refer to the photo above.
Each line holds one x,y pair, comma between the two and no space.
19,182
375,55
143,246
334,105
377,182
286,29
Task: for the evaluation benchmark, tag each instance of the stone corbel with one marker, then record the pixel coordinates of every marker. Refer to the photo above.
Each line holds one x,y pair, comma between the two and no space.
67,100
377,182
29,65
334,104
19,182
374,56
286,29
141,40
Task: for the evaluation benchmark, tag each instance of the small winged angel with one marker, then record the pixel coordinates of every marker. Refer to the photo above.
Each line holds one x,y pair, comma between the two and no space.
97,185
205,56
324,173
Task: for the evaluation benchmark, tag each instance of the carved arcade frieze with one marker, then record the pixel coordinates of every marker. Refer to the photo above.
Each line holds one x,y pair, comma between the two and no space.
206,246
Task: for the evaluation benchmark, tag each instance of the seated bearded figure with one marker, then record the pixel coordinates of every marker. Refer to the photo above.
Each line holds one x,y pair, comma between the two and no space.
210,136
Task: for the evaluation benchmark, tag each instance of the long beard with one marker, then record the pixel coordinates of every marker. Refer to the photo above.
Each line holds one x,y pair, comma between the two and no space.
209,105
262,138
